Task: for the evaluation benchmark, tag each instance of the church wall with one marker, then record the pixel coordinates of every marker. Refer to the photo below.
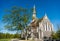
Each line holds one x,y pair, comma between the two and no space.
46,28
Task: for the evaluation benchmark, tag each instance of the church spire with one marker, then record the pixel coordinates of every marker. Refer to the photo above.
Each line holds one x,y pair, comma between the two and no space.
34,12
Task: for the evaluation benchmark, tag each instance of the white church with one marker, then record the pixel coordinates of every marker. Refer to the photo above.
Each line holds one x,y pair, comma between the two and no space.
38,28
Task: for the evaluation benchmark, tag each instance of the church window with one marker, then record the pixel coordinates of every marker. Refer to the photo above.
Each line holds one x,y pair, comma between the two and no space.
46,27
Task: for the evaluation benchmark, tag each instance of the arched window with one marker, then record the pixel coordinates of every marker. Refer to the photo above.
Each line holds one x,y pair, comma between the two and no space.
48,28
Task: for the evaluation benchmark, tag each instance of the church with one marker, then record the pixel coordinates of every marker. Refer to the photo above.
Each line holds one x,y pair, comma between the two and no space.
38,28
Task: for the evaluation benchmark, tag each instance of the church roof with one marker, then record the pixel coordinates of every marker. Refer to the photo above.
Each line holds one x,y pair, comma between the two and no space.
33,24
40,20
36,22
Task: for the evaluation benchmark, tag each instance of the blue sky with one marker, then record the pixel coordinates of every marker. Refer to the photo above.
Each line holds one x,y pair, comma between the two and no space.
50,7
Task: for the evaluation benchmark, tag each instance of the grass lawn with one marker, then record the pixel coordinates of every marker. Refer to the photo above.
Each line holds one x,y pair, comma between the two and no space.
10,40
4,39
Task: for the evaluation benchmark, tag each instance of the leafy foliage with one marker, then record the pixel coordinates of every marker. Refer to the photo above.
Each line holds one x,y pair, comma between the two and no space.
9,36
56,35
17,18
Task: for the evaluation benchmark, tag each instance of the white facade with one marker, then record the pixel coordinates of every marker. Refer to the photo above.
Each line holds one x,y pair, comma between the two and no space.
44,27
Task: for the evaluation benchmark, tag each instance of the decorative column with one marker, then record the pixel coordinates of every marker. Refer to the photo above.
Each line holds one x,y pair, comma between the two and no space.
47,27
31,33
52,28
39,31
42,33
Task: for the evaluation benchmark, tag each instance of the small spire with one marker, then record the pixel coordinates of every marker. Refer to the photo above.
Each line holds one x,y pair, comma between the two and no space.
45,16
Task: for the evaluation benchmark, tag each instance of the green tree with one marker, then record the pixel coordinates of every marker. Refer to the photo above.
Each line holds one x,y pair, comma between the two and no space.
58,32
56,35
17,19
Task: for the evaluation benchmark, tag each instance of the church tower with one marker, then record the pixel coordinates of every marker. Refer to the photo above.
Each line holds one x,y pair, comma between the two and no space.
34,13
